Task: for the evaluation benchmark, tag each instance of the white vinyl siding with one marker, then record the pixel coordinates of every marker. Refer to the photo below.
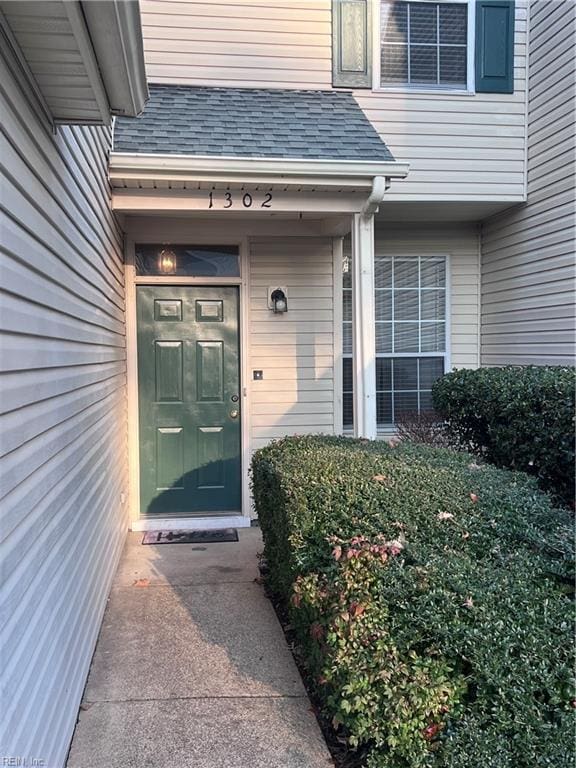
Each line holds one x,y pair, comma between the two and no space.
295,350
528,253
62,422
257,43
461,147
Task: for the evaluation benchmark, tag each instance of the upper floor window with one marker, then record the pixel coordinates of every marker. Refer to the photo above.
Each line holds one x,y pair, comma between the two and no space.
424,44
462,45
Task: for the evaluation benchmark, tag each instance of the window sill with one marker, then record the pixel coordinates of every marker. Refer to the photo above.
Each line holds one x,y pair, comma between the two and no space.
424,91
383,433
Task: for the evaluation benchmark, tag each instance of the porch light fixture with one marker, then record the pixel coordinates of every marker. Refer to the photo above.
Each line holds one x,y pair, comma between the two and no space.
167,261
278,301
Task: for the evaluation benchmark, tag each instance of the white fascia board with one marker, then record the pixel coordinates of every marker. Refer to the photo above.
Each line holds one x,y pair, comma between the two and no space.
116,34
350,173
77,21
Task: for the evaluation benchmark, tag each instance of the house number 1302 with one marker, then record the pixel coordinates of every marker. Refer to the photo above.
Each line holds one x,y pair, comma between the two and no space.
243,199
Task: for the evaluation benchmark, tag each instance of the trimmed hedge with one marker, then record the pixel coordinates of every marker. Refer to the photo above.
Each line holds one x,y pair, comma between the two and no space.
521,418
429,597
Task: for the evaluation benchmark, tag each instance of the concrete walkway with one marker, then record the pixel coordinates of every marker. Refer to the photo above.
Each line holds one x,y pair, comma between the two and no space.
192,670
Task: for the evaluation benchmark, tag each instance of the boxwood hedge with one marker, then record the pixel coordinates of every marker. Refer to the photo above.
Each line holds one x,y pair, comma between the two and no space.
516,417
429,594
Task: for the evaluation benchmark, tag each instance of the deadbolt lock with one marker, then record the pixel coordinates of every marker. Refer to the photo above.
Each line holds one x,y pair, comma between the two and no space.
234,398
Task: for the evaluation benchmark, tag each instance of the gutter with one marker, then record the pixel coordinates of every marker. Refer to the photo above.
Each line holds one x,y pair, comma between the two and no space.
126,166
379,187
115,30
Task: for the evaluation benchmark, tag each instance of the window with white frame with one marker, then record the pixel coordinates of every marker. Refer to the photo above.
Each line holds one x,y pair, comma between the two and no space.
424,44
410,302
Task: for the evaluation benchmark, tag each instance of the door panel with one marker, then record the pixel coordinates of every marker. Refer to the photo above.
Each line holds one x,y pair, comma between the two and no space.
209,371
168,366
188,373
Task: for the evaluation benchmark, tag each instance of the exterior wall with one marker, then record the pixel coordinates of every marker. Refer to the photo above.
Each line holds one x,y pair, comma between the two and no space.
63,433
295,350
460,146
460,243
528,253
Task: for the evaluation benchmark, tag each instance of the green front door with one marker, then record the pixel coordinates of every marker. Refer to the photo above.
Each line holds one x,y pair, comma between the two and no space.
189,400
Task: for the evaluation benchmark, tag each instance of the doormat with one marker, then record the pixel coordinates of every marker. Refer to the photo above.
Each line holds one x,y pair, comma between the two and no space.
190,537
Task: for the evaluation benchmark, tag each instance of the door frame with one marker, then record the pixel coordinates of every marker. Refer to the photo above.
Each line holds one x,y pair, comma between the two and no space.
138,523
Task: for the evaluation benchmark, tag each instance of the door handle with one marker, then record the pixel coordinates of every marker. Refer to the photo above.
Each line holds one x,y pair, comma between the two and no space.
233,414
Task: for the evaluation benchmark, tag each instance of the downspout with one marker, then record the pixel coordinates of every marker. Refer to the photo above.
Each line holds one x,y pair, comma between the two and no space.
364,316
376,196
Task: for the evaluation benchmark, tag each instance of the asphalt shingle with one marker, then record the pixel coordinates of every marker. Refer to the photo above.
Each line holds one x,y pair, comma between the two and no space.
249,122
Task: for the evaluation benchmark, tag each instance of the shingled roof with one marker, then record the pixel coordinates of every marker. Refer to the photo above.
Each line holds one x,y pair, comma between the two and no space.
248,122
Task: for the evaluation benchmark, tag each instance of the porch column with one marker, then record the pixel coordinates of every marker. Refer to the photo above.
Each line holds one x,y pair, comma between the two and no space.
364,331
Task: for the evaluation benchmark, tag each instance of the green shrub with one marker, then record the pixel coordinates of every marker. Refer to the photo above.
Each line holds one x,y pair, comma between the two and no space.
520,418
428,594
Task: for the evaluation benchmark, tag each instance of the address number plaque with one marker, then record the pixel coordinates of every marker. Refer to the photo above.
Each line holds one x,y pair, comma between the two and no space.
239,199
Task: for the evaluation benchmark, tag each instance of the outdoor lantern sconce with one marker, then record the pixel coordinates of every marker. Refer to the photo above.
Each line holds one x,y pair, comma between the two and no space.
278,300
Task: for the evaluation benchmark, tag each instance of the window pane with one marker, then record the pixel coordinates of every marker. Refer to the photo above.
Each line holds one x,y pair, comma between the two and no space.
187,260
394,21
432,305
406,337
383,408
423,23
432,337
347,338
383,273
453,24
406,373
383,337
423,64
432,273
347,306
431,368
406,273
453,66
405,402
394,64
426,402
347,410
347,277
347,400
383,373
383,305
405,305
347,374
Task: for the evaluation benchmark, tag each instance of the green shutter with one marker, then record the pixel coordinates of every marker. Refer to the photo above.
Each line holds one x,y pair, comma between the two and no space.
351,44
495,46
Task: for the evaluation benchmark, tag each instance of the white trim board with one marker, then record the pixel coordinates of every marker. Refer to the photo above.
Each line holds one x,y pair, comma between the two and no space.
189,523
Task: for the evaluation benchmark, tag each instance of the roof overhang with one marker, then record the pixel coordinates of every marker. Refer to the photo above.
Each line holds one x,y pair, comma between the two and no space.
83,61
116,34
177,183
